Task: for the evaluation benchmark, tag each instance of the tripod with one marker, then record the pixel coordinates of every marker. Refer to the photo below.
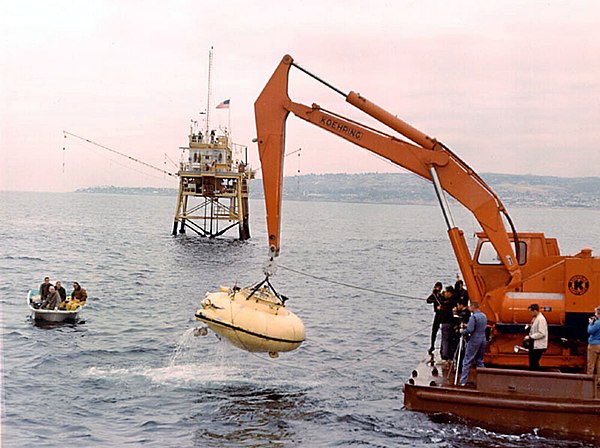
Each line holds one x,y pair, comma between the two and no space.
456,359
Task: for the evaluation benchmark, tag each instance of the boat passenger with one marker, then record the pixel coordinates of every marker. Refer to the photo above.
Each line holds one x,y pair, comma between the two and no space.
63,295
61,291
537,338
447,319
593,353
476,346
44,288
78,297
461,293
51,302
435,298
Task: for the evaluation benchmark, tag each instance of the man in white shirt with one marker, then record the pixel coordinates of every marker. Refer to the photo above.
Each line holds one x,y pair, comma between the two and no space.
538,337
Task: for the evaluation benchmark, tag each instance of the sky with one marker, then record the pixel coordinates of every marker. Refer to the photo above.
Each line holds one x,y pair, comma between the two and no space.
511,86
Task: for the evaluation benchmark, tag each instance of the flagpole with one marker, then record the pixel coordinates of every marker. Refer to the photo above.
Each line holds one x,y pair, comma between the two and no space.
229,122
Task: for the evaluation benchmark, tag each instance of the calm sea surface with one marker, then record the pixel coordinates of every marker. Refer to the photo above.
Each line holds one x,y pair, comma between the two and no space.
132,373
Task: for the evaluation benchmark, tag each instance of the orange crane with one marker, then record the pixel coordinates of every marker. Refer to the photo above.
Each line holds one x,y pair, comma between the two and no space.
508,270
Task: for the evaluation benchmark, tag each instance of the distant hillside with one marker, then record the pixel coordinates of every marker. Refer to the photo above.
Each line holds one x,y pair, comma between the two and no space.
406,188
110,189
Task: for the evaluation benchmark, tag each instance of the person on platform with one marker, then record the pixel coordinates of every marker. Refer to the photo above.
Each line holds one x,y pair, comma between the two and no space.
461,319
537,339
44,287
461,294
78,297
447,324
52,300
476,346
593,353
435,298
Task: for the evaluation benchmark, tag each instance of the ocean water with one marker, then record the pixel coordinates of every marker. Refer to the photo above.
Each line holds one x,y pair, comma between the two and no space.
131,373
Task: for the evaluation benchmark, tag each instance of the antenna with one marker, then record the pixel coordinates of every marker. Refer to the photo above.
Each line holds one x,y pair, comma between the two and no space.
210,58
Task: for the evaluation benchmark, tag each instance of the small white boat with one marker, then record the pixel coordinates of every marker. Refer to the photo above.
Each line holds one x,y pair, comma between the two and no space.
255,320
56,316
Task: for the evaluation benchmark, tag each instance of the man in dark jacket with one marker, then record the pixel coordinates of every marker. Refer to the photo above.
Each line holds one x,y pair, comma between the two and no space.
436,299
447,319
462,296
61,291
44,288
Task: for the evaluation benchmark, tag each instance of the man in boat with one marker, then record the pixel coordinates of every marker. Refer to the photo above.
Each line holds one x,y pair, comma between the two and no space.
435,298
78,297
52,300
537,338
476,346
593,353
44,287
61,291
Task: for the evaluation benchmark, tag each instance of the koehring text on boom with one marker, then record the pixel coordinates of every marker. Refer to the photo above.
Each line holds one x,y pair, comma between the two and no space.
341,127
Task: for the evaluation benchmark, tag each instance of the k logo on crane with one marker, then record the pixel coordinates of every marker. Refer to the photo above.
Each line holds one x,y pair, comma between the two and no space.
579,284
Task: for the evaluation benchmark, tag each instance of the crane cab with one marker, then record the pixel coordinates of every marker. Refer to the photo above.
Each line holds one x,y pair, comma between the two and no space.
565,287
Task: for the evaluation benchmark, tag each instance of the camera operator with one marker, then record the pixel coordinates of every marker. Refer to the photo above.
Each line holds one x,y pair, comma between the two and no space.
436,299
593,353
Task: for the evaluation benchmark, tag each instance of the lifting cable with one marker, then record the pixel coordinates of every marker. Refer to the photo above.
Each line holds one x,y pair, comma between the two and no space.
65,133
348,285
387,347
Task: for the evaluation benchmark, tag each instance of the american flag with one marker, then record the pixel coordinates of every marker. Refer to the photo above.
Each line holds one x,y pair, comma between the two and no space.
223,105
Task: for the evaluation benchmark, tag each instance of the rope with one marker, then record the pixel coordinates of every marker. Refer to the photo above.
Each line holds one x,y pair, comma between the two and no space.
348,285
65,133
353,363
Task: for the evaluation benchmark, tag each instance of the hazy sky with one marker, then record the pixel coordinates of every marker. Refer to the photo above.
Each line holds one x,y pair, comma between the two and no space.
511,86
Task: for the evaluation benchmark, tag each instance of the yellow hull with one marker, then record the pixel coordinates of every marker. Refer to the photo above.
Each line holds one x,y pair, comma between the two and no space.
257,322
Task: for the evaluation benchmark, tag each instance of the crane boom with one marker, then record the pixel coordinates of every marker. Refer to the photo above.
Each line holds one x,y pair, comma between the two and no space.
426,157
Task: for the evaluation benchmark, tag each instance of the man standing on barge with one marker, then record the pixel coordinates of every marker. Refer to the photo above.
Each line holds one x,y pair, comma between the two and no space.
436,299
476,345
594,344
538,337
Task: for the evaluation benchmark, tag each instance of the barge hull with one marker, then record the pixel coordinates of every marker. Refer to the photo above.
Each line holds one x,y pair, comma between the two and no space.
511,401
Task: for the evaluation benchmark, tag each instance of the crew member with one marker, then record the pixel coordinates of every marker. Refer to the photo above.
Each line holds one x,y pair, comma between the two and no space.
461,294
61,291
78,297
461,319
537,338
593,353
448,304
436,299
476,346
51,301
44,287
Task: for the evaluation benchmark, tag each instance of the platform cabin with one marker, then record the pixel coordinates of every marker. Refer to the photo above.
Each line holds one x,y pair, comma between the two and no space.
213,188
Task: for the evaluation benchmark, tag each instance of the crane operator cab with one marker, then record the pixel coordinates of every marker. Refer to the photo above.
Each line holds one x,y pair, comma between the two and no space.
564,287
